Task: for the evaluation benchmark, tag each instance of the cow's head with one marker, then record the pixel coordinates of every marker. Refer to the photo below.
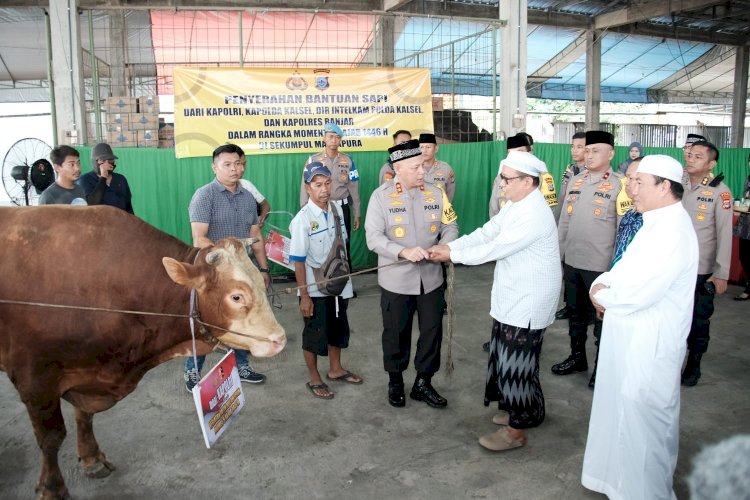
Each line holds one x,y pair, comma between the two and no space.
231,295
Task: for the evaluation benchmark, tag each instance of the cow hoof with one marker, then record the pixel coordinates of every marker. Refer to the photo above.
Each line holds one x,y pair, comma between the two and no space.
99,469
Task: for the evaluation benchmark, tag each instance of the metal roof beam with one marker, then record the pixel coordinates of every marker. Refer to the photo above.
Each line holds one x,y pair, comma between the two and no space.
644,11
561,60
715,56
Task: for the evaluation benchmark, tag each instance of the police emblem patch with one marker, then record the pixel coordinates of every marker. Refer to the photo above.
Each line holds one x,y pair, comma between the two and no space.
597,212
399,232
433,228
569,209
702,206
726,200
398,219
314,225
343,177
433,216
700,216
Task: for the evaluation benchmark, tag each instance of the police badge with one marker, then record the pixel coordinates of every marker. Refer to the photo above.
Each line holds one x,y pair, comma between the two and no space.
321,78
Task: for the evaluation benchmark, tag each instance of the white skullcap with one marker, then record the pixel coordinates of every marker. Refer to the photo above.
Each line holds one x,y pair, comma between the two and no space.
524,162
661,166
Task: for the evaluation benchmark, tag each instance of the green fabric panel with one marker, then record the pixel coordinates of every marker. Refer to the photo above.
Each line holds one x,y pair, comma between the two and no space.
163,185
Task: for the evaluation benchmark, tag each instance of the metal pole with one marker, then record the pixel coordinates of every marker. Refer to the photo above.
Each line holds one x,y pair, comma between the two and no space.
95,80
242,43
494,83
50,79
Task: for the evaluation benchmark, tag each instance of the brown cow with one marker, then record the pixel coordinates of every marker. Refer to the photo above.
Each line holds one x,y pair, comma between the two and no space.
105,258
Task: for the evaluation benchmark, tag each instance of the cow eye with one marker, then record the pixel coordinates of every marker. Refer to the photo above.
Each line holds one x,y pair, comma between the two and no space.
236,297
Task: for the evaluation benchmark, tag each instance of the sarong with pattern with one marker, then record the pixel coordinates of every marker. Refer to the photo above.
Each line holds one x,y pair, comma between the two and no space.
513,374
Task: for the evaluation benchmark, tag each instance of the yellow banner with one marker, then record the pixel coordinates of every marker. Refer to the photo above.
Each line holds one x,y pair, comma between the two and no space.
272,110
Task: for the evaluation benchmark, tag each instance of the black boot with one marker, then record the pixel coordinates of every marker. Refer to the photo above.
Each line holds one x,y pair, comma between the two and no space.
422,390
592,380
576,362
563,313
396,396
692,371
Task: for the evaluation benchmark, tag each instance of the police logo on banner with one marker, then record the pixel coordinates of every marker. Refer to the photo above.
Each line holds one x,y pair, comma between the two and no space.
321,79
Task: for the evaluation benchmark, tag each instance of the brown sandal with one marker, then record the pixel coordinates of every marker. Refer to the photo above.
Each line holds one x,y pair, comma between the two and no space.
319,387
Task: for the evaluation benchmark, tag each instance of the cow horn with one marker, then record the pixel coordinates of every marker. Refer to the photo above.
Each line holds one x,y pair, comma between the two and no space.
213,258
248,241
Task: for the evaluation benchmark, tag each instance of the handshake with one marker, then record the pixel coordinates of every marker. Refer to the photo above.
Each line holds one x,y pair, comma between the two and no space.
436,253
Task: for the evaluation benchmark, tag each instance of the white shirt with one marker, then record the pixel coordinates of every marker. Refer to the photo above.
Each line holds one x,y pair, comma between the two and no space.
631,450
313,232
522,239
249,186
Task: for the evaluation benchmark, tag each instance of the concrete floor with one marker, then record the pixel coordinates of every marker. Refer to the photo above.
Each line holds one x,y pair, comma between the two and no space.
286,443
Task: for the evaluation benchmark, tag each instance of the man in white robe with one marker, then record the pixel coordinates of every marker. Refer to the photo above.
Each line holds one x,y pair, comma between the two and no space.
522,240
647,302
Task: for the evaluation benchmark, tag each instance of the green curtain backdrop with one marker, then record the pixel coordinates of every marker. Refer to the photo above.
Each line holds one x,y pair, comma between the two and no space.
163,185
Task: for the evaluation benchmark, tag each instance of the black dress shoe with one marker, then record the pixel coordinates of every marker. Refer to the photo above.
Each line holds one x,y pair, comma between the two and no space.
396,396
423,391
571,364
562,313
486,347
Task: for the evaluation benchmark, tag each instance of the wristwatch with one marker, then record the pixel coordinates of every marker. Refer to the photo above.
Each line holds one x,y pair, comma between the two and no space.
264,270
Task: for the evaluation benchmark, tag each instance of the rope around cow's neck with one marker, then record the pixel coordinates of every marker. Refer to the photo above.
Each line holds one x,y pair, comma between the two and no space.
194,317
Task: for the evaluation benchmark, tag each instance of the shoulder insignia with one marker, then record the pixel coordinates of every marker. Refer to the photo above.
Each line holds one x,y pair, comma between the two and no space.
388,176
605,176
399,189
726,200
717,180
705,181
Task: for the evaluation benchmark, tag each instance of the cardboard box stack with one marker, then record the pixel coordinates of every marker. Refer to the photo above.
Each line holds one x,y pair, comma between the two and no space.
166,135
132,122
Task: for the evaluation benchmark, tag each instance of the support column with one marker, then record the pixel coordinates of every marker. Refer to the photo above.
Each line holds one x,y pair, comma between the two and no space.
387,40
513,67
117,69
593,78
740,96
67,74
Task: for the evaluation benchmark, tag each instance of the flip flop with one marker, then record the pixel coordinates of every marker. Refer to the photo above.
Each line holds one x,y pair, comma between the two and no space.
344,377
314,387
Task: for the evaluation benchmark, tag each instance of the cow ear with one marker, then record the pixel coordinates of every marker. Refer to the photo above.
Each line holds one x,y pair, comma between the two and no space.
181,273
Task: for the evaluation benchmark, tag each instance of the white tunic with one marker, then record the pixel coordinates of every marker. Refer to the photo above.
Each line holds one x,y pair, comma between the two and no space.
522,239
631,450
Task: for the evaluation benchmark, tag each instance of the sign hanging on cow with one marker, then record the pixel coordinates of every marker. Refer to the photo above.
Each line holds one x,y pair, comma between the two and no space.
218,398
272,110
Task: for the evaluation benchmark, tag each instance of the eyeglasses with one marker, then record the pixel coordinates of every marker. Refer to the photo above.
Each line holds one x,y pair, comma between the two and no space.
508,179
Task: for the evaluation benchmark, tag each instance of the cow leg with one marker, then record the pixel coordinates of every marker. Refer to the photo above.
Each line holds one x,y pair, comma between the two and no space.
49,430
93,462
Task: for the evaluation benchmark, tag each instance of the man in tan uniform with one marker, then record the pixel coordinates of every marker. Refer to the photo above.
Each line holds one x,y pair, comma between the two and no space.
386,171
522,142
405,217
436,171
709,203
578,154
344,181
689,141
587,229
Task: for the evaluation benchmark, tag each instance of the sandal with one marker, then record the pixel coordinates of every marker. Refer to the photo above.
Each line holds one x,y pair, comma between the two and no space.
320,387
347,377
740,296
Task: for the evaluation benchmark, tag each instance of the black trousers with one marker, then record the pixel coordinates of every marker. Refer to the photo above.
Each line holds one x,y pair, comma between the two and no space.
703,309
398,315
577,285
745,261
